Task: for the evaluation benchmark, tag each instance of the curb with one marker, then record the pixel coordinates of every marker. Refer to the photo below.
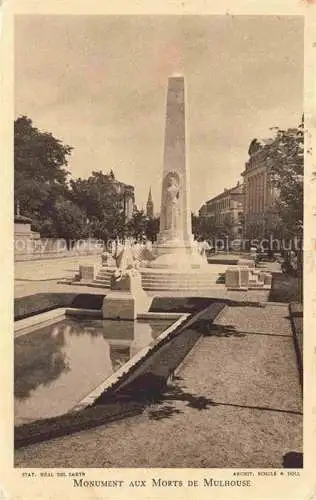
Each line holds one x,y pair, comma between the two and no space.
69,423
132,392
296,315
149,377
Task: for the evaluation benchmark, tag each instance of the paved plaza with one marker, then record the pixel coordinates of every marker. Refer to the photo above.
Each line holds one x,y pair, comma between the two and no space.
37,276
234,402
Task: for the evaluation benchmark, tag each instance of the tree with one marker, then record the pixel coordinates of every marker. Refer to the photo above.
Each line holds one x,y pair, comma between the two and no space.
70,222
195,221
204,227
255,230
285,159
225,230
152,228
140,226
39,170
137,225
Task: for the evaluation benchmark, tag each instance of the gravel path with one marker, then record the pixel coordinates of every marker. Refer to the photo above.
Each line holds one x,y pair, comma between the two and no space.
235,402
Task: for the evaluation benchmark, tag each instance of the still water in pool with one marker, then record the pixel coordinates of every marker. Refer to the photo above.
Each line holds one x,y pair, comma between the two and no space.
58,365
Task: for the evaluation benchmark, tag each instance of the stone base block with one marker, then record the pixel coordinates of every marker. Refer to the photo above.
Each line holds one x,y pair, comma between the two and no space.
232,278
119,305
261,276
244,277
268,279
255,284
177,258
87,273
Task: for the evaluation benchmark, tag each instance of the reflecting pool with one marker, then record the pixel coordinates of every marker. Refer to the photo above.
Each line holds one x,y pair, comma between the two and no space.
58,365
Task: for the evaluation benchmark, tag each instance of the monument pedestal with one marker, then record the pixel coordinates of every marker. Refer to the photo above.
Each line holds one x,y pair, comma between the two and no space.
126,298
175,248
87,273
119,305
177,257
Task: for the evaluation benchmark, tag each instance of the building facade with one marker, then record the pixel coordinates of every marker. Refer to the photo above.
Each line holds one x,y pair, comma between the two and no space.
259,194
226,209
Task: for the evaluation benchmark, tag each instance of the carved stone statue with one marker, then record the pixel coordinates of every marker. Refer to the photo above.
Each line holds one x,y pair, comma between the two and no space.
126,270
171,204
124,259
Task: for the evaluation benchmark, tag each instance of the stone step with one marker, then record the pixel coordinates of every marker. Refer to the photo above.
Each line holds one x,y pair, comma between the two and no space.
200,279
178,280
192,282
177,283
168,286
174,287
168,276
181,283
99,285
99,280
180,276
148,270
166,281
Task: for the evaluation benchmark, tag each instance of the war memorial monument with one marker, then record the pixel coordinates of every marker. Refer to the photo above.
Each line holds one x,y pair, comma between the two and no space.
174,262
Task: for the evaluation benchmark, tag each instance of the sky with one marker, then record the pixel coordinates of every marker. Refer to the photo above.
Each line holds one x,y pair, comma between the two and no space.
98,83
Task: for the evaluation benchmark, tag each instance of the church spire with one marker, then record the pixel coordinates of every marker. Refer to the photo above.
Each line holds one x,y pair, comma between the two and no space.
150,205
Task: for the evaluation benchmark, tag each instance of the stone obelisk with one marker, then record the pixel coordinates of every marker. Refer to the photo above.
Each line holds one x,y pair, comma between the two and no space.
175,247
